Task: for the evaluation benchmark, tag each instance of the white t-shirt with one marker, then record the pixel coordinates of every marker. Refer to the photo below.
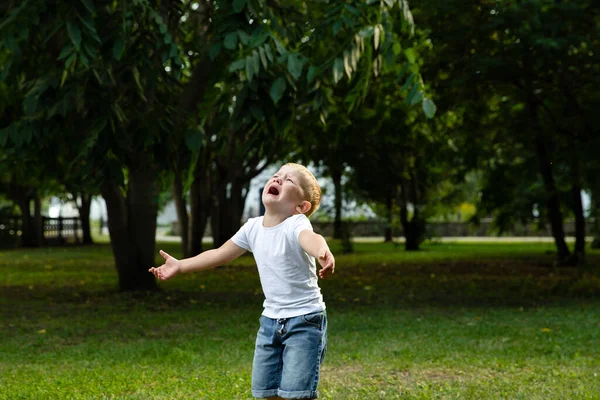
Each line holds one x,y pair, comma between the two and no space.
288,275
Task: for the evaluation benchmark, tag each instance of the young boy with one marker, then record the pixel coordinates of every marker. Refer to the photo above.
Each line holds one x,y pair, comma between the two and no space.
291,341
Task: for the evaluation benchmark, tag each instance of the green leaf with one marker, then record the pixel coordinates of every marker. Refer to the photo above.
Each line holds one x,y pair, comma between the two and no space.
376,36
173,51
250,72
215,50
74,34
268,52
30,105
88,23
163,28
84,60
411,94
258,38
396,48
193,140
121,117
312,73
237,65
429,108
256,61
71,60
295,65
263,57
337,27
89,5
138,83
118,49
417,98
238,5
410,54
65,52
338,70
277,90
409,82
366,32
91,51
98,126
168,38
243,36
280,47
65,74
230,40
352,9
347,61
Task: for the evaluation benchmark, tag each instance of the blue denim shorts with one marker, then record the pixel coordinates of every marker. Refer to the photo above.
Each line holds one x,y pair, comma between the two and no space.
288,356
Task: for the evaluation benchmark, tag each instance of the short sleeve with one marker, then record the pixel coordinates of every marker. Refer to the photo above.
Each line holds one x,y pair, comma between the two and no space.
300,224
241,237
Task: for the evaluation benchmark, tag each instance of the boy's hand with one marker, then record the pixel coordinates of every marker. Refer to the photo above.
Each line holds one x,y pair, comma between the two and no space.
327,262
168,270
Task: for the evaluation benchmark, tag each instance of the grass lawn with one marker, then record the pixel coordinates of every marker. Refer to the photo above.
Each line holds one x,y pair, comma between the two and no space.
454,321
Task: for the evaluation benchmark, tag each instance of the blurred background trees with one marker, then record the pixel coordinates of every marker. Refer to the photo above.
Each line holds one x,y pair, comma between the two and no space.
131,99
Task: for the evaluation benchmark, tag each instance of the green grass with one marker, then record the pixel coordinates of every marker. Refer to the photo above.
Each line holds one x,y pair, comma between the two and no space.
454,321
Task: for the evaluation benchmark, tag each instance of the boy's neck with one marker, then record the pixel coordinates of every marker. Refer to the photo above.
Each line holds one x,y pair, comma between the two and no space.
271,219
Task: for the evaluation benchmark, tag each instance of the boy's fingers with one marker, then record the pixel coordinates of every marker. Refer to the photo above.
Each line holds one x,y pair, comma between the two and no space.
164,254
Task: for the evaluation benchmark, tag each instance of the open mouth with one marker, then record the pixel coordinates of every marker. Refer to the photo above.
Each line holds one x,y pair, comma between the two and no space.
273,190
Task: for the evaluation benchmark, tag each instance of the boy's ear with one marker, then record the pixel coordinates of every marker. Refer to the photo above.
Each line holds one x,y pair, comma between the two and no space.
304,207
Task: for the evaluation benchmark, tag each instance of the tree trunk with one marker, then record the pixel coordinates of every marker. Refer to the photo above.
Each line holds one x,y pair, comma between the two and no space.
182,214
579,223
27,230
552,200
226,215
84,206
545,164
412,228
38,222
132,227
413,232
336,176
595,214
201,204
31,226
388,228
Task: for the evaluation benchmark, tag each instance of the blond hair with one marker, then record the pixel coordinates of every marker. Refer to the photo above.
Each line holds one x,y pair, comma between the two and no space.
310,187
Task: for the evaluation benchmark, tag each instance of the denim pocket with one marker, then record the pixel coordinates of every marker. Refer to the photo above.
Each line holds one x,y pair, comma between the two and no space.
315,319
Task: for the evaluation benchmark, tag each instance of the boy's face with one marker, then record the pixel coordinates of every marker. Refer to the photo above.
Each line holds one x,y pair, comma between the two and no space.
283,193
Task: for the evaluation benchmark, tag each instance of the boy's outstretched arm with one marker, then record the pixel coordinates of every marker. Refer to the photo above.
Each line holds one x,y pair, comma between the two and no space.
315,245
206,260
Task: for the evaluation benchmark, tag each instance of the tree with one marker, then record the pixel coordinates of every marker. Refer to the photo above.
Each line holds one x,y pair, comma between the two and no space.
121,74
280,51
98,71
391,56
523,60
